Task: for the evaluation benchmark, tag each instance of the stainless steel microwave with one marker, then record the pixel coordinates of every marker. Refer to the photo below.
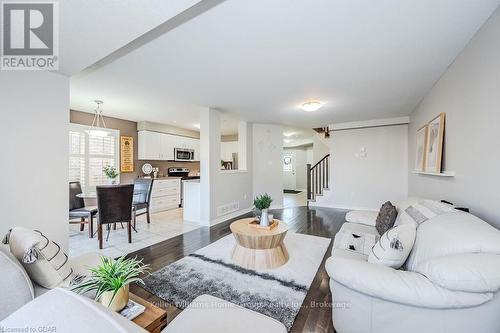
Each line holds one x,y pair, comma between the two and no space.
183,154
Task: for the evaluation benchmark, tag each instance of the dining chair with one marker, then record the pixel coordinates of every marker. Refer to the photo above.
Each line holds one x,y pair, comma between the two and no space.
142,198
77,209
114,205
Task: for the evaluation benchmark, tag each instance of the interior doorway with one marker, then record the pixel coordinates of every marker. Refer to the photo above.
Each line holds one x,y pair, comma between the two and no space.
295,160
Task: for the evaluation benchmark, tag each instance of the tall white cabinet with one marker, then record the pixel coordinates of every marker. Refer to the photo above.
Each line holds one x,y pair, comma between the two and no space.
160,146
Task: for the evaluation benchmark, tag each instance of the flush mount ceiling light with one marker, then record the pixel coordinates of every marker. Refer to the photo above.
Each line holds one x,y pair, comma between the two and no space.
311,106
288,134
97,129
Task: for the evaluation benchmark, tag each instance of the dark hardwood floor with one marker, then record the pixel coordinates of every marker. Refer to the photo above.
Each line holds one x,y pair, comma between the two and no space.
315,314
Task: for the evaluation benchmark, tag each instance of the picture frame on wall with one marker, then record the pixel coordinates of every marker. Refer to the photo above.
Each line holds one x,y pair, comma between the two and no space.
434,144
421,148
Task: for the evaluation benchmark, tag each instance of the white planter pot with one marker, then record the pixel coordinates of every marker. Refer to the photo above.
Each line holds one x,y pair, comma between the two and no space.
264,220
120,301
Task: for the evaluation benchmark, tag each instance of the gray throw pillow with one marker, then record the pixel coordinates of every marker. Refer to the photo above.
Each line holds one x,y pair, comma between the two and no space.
386,217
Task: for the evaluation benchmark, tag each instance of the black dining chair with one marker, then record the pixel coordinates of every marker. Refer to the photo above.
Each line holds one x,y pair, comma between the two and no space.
142,197
114,204
77,209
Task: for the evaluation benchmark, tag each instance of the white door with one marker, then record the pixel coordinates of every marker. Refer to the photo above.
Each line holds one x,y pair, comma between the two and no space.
289,179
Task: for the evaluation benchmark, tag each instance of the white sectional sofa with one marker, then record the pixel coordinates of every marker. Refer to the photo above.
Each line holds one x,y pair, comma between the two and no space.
26,306
449,284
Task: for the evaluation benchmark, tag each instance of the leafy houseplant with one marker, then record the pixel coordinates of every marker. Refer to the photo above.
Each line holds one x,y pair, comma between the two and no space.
110,281
110,172
262,203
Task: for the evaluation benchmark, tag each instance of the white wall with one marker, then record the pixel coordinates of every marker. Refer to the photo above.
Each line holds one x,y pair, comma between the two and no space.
469,94
358,182
219,187
267,162
320,148
34,166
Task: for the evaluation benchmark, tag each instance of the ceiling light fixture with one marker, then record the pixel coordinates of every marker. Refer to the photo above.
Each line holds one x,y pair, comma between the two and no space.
96,129
197,126
288,134
311,106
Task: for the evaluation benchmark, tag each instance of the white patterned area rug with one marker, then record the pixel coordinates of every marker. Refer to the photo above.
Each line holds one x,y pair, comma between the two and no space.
277,293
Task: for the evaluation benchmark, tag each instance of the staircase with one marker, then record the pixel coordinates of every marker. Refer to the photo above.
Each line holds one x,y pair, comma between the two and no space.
318,178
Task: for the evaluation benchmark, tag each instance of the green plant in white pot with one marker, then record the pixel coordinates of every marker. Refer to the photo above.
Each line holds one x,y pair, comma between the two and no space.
111,173
111,279
262,203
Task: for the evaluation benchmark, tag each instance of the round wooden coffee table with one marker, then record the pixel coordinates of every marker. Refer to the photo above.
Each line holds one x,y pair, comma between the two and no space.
259,248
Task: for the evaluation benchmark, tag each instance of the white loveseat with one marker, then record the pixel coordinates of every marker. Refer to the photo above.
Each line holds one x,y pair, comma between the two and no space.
449,283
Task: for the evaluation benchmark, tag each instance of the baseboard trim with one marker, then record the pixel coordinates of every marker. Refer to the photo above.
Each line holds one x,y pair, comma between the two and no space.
346,207
229,216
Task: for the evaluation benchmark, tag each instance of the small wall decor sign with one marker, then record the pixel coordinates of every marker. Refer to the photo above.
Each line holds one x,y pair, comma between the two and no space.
126,154
434,144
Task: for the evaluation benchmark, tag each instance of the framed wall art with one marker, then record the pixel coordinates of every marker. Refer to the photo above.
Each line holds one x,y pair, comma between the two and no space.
435,139
421,146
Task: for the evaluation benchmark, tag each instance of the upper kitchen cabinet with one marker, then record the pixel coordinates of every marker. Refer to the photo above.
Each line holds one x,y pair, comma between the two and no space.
150,145
161,146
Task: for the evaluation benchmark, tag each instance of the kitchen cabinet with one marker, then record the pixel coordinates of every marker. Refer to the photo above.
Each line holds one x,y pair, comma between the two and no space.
161,146
165,195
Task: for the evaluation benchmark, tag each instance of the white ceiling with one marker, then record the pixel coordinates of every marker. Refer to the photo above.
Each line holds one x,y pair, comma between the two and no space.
261,59
91,29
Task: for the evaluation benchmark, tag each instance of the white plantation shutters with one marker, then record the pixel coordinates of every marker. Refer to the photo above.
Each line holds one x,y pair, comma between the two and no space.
88,154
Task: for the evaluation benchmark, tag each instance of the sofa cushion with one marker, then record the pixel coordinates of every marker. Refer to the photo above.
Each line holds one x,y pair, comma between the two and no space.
209,314
43,259
16,288
386,217
65,311
472,272
356,229
348,254
453,233
394,246
367,217
422,211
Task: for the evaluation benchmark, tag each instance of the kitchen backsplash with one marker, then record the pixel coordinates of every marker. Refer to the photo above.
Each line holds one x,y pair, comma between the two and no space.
194,167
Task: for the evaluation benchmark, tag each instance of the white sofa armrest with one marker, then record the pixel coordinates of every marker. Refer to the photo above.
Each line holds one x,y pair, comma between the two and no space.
404,287
366,217
471,272
64,311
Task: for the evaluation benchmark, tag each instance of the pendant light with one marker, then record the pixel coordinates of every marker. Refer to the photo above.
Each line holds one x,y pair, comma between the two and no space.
98,127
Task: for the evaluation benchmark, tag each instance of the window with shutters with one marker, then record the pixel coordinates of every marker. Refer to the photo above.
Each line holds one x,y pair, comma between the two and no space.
89,153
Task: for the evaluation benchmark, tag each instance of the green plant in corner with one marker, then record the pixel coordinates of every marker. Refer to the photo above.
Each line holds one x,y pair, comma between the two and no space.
263,201
111,276
110,171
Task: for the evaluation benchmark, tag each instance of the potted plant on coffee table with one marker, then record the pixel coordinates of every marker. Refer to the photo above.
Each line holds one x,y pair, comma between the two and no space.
110,281
262,203
111,173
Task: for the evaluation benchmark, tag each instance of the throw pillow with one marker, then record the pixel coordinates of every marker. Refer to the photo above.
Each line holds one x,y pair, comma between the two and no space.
394,246
386,217
43,259
423,211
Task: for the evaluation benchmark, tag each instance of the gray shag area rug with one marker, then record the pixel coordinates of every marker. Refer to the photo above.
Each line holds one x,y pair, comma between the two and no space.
277,293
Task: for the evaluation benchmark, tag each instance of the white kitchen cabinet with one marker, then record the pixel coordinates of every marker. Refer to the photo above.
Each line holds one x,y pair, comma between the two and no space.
165,195
167,146
149,145
161,146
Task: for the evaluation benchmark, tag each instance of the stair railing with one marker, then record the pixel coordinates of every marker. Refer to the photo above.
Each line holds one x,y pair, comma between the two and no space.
318,178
